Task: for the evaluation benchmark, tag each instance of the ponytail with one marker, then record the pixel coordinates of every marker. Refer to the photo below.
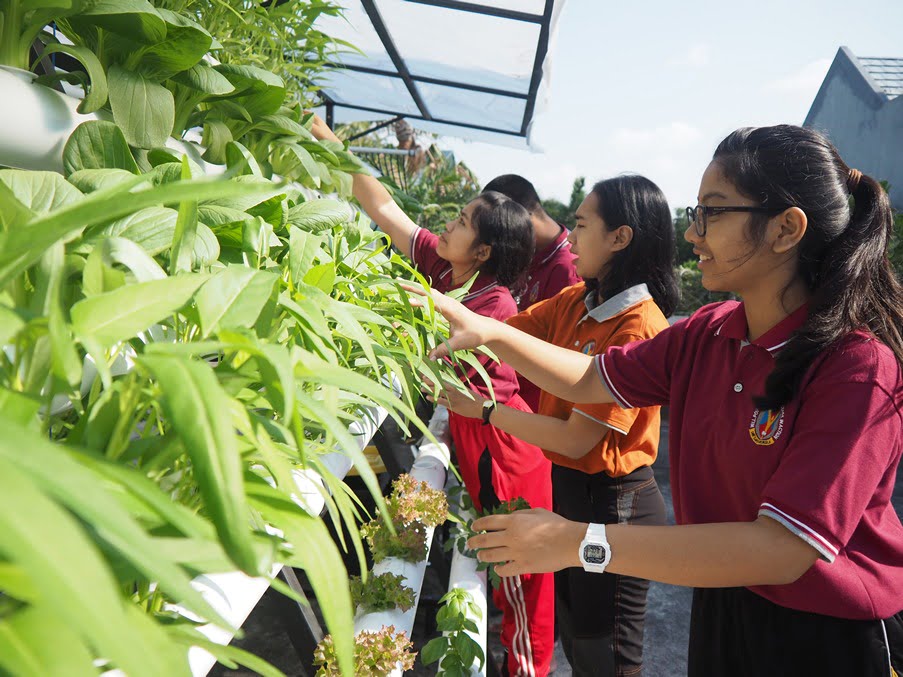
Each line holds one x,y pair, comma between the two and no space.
843,256
855,288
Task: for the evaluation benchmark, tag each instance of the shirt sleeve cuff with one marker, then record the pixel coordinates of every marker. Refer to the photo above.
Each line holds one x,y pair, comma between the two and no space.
414,245
606,379
593,418
827,551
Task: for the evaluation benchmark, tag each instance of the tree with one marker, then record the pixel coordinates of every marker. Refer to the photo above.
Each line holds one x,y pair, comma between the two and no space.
684,248
564,213
895,250
431,186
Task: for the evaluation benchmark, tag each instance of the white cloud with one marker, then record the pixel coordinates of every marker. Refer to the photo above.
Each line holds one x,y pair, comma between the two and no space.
803,82
696,56
660,140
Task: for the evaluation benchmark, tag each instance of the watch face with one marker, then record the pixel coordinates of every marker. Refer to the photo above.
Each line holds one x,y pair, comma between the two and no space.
594,554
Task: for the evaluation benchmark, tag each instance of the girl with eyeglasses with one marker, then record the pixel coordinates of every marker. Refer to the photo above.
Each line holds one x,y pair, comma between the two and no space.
601,454
786,425
492,239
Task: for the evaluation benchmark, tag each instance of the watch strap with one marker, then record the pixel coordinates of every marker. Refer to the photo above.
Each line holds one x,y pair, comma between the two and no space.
488,408
595,536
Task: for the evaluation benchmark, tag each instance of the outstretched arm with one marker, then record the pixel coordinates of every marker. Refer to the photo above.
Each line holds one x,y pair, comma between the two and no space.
375,199
564,373
727,554
573,437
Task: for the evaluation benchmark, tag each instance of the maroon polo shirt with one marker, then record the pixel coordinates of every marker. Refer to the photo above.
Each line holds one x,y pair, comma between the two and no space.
487,297
550,271
824,465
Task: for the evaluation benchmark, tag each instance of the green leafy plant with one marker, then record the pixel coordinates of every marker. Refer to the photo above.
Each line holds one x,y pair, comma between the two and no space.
455,650
376,653
174,348
22,24
106,352
280,38
412,500
22,21
411,507
407,543
140,48
381,593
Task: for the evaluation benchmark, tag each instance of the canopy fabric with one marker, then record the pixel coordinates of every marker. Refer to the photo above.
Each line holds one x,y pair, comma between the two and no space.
475,70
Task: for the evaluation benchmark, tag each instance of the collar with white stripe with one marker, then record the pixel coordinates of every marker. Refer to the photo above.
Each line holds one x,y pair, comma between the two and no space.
557,246
479,292
735,327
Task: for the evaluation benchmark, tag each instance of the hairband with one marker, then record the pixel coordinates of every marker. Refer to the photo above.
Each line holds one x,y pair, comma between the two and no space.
853,179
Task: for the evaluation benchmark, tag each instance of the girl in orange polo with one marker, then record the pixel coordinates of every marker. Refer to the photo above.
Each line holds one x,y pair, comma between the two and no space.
601,454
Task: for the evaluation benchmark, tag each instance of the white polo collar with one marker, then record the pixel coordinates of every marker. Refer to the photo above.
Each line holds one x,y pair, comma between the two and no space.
616,304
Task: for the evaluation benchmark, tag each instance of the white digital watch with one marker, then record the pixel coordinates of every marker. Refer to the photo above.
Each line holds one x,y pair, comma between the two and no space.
595,552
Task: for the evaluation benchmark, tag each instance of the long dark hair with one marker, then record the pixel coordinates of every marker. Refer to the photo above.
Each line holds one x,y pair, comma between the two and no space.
506,227
637,202
843,255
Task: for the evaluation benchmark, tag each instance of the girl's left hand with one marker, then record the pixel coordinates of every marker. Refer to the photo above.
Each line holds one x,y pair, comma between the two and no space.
321,130
465,404
527,542
468,405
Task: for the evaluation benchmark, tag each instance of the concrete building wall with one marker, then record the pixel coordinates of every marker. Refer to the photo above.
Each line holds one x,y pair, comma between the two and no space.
866,128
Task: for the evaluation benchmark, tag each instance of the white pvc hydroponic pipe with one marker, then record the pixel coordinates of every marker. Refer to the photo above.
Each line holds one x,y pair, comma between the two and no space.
430,467
36,122
464,575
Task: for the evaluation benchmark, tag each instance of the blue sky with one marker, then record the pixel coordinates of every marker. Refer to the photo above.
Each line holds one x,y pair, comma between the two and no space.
652,87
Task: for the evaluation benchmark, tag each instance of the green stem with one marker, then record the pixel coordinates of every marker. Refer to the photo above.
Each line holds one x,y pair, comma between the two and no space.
128,402
10,38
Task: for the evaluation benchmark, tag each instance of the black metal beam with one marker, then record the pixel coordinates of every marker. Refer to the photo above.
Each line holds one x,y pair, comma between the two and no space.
431,81
541,50
476,8
299,621
402,68
383,111
377,127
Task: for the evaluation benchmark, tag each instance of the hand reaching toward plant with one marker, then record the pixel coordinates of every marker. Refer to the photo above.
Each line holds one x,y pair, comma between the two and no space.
467,330
469,404
563,372
321,130
374,198
528,541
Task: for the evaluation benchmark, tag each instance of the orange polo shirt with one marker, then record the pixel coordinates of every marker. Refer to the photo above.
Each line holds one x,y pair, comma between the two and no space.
569,320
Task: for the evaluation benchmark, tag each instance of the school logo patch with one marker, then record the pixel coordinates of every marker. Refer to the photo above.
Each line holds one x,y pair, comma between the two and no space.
589,348
766,426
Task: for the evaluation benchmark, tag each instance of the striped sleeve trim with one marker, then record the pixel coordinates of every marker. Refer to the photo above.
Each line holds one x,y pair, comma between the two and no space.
603,374
414,245
807,533
593,418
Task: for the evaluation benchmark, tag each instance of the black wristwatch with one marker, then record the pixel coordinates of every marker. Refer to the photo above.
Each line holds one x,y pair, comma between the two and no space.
488,408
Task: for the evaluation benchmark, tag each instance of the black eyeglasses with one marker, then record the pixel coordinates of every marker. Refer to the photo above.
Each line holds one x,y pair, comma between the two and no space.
700,214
